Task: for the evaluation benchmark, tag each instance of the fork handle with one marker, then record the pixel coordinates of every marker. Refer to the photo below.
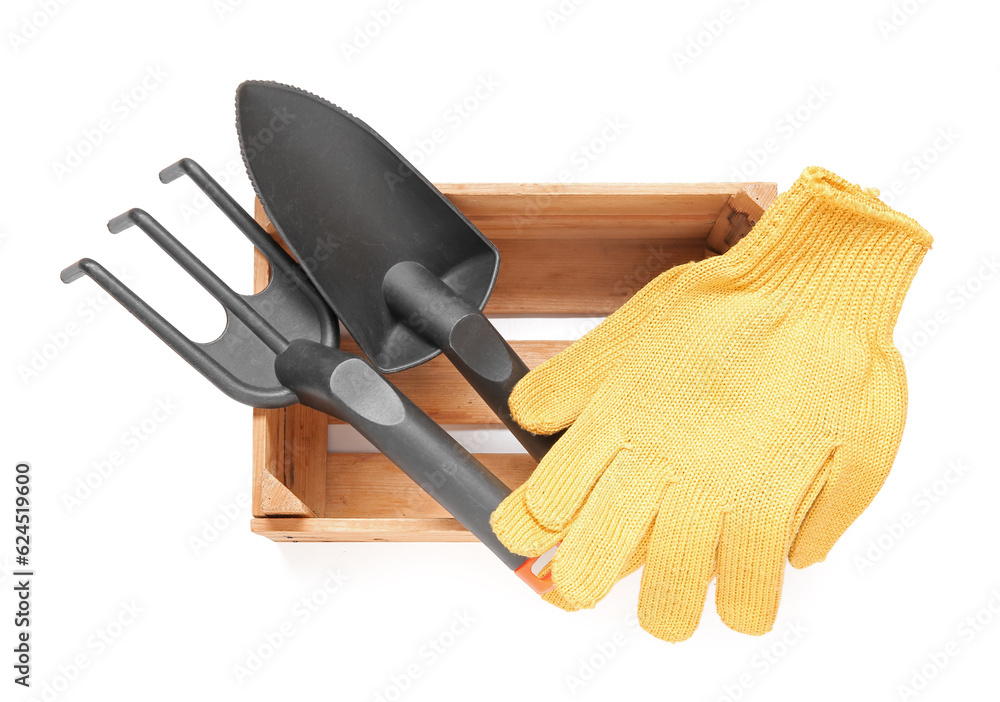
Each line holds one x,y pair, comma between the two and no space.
345,386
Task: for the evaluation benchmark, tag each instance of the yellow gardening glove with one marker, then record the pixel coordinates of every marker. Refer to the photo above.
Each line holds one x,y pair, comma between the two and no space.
749,410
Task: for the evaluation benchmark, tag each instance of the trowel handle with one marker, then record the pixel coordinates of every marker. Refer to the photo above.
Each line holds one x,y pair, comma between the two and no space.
425,304
348,388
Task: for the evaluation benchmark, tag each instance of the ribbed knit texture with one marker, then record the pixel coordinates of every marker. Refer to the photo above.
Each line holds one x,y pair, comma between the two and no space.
737,412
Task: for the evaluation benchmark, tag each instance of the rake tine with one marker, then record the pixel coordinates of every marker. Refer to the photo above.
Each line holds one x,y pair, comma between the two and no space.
158,324
251,229
228,297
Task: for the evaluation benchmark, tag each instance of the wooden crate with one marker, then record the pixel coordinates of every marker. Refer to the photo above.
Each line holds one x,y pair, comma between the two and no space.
566,250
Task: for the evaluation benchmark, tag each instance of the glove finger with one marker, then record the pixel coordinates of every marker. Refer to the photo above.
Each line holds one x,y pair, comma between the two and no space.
552,396
520,533
857,475
563,480
635,561
825,521
610,526
680,564
756,537
518,530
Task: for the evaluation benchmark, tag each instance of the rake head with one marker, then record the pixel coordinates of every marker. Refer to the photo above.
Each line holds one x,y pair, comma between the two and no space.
240,362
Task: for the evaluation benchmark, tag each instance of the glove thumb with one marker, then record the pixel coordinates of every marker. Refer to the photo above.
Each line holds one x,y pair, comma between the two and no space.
551,397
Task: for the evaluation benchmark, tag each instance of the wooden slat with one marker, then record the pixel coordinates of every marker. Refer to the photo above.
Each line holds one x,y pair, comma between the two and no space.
261,216
305,456
739,216
762,193
531,199
268,454
589,277
278,501
270,496
293,529
369,485
440,391
575,227
659,210
289,468
266,438
582,250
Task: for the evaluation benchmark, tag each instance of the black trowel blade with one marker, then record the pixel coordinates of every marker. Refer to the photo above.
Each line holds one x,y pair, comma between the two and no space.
350,207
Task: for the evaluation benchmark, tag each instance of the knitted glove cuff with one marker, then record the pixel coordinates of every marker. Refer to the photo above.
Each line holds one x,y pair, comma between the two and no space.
832,247
832,191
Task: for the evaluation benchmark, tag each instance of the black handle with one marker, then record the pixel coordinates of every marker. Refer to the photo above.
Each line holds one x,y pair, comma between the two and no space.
425,304
348,388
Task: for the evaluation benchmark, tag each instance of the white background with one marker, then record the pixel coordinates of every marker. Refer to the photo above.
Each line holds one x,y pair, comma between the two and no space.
893,77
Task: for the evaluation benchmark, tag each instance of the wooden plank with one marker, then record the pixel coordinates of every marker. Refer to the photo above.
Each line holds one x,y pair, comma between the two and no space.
267,428
739,216
422,530
762,193
268,453
531,199
289,469
662,209
440,391
574,227
588,277
369,485
305,456
278,501
261,216
269,496
570,260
